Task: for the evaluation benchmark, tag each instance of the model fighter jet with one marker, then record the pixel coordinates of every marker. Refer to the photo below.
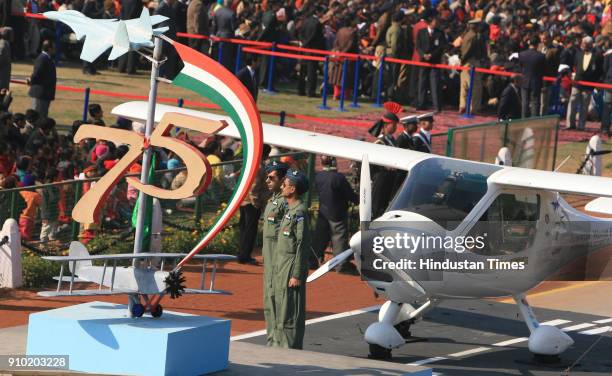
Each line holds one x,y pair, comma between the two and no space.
100,35
527,221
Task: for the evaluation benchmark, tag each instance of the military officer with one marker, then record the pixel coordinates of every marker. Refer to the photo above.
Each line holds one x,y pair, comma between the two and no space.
291,265
383,179
405,141
273,214
422,138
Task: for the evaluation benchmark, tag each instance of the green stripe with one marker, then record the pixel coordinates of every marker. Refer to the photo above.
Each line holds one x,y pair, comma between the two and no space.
207,91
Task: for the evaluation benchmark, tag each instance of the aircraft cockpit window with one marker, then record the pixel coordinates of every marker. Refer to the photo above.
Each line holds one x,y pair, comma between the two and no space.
443,190
509,224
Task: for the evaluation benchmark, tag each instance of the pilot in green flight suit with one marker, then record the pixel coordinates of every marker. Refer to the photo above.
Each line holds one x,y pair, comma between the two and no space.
272,216
291,265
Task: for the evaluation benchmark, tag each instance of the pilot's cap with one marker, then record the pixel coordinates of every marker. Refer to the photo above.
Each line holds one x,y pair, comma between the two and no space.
298,179
407,120
426,117
280,167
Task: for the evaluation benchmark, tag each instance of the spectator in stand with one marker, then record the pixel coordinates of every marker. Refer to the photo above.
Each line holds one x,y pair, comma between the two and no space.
32,202
396,48
96,114
605,117
248,76
430,44
130,9
552,54
49,212
43,80
473,54
169,68
346,42
197,23
533,65
588,67
310,35
224,26
268,33
510,102
6,36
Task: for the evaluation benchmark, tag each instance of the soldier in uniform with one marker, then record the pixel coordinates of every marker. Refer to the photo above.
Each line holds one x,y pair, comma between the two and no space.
383,179
291,265
405,141
422,138
273,215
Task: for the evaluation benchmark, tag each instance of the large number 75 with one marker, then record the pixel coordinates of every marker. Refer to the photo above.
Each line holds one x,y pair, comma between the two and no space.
87,210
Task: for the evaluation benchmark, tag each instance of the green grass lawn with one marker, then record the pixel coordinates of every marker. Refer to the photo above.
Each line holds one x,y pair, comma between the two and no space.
69,105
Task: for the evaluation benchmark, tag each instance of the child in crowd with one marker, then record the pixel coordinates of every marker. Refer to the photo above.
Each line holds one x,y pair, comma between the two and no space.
33,201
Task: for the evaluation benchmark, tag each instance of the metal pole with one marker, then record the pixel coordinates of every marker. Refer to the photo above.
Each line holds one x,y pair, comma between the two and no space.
356,84
381,70
198,209
311,173
58,43
14,205
468,105
220,53
180,102
281,120
146,158
323,105
342,86
238,59
271,70
77,196
554,161
86,103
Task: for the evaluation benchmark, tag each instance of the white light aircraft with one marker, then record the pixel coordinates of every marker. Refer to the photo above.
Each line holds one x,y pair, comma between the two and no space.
101,35
521,209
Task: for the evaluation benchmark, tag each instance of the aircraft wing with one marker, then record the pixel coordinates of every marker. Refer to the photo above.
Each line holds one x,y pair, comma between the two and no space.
552,181
290,138
77,21
53,293
130,256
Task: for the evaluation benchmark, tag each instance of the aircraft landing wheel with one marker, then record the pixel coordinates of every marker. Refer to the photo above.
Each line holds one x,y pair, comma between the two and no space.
379,352
157,311
138,310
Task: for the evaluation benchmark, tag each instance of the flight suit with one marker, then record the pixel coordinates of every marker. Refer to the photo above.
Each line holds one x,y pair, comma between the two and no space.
291,260
272,217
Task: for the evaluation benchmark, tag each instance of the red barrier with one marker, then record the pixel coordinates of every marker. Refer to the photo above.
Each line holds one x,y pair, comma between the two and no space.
282,54
106,93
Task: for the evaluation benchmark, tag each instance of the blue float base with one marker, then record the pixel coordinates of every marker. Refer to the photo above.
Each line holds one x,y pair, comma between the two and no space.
100,338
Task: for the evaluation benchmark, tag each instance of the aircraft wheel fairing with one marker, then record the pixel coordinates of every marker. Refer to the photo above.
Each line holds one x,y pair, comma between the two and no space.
138,310
549,340
379,352
157,311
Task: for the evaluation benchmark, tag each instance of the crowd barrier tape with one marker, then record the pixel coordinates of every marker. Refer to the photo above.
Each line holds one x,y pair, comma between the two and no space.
181,102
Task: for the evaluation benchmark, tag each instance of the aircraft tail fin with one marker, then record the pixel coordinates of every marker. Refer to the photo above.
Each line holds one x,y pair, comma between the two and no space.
79,250
602,205
121,44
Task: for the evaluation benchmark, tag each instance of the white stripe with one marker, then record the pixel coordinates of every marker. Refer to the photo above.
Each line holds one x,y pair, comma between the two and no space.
578,327
604,321
343,314
312,321
469,352
511,341
426,361
590,332
555,322
201,75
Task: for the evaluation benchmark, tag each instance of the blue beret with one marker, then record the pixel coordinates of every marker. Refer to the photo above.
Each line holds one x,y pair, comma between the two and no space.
277,166
299,179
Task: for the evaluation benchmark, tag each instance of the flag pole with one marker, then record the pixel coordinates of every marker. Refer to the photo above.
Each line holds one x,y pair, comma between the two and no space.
146,158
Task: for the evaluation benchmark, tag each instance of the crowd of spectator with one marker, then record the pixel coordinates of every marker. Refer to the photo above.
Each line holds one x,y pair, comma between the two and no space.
468,33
